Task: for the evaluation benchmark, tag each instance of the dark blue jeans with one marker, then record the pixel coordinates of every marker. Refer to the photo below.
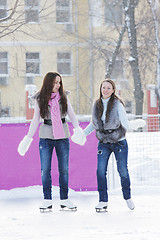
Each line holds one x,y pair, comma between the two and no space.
120,150
46,147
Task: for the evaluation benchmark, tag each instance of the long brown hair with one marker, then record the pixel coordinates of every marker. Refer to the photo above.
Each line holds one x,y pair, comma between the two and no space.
111,100
46,91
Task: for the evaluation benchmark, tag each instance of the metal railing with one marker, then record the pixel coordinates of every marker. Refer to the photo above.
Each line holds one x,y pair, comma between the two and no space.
143,155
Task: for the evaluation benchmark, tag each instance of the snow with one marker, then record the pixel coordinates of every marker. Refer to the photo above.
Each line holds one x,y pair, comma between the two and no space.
21,219
131,59
126,9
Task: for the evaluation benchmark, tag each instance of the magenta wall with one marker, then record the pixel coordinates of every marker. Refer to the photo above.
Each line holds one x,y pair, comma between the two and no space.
17,171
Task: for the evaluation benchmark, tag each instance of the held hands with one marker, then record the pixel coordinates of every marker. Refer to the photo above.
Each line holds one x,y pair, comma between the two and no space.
135,124
78,137
24,145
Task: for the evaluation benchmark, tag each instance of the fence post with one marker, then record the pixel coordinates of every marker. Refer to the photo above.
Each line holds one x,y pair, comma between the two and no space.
152,109
30,90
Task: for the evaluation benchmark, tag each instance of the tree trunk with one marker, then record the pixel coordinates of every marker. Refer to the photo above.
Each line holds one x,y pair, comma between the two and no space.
129,9
116,52
155,13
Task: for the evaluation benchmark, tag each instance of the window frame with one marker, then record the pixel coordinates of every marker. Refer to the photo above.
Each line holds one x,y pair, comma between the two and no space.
5,75
61,8
129,107
5,60
28,9
30,74
122,68
65,61
4,7
110,19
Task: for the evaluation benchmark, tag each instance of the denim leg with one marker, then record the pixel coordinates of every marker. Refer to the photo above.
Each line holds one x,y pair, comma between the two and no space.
121,155
103,155
62,151
46,149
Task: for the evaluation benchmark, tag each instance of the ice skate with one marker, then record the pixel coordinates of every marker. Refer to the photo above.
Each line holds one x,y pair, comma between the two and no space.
46,205
66,203
102,206
130,204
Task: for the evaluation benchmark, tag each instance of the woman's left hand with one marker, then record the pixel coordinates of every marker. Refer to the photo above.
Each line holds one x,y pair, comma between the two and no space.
78,137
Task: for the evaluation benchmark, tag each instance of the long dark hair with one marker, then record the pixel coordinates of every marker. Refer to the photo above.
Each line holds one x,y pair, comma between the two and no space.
46,91
111,100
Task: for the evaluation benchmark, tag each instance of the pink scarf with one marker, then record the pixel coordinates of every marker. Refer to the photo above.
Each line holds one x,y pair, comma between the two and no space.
57,125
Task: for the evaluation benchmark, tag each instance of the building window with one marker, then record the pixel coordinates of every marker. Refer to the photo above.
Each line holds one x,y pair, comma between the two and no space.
5,111
32,63
63,11
113,12
117,71
29,80
31,11
128,107
64,63
3,8
3,68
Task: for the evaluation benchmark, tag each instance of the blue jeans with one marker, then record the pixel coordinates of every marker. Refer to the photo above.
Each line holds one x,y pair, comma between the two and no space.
46,147
120,150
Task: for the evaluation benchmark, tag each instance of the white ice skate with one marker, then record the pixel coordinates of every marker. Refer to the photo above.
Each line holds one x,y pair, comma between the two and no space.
102,206
66,203
46,205
130,204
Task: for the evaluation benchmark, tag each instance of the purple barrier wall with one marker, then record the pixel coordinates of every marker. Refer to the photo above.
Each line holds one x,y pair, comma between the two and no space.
17,171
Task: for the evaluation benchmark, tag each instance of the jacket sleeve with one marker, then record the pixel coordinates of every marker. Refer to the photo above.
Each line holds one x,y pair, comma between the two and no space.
89,129
72,115
35,121
122,115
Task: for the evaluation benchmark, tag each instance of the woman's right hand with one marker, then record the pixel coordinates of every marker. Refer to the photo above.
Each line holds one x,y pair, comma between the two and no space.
78,137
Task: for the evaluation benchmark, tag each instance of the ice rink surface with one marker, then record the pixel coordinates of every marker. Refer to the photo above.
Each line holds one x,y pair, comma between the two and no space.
21,219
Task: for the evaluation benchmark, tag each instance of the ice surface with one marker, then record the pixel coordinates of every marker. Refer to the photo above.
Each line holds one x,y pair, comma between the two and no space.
21,219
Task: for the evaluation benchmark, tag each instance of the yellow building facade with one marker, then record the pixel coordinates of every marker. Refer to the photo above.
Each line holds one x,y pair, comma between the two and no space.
75,38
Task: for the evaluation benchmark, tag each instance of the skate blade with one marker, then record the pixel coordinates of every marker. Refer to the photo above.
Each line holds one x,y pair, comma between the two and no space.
64,208
104,209
45,210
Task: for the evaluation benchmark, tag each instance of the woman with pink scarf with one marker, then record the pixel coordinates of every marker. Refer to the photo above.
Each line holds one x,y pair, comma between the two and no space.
52,105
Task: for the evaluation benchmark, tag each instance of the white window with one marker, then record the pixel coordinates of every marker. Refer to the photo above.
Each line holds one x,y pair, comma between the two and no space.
117,71
32,63
63,11
64,63
5,111
31,11
129,107
3,68
3,8
29,80
113,12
